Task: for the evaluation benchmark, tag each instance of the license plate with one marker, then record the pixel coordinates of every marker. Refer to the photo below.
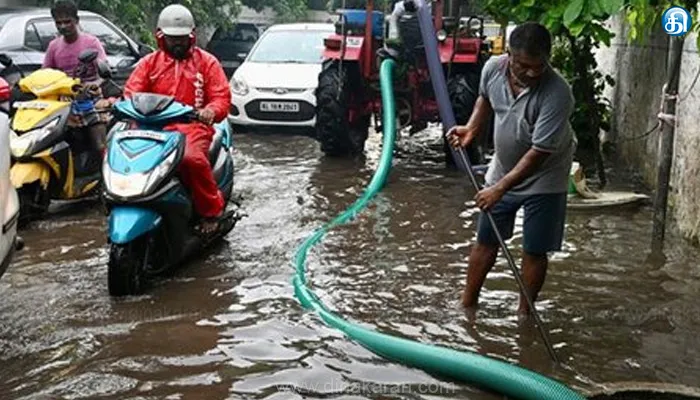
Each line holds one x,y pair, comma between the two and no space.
161,137
270,106
230,64
31,105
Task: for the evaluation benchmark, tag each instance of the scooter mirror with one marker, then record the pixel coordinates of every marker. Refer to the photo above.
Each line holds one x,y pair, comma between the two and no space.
104,70
5,91
5,60
88,56
5,94
144,50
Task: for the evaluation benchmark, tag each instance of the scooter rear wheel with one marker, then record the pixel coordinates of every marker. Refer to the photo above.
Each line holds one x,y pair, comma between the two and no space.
126,269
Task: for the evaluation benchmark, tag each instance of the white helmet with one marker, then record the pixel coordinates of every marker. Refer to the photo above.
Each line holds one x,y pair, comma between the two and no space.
176,20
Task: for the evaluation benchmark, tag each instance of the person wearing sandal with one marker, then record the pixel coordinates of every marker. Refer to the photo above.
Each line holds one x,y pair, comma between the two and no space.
194,77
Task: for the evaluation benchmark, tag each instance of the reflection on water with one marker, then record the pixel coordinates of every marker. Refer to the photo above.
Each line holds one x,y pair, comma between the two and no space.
228,325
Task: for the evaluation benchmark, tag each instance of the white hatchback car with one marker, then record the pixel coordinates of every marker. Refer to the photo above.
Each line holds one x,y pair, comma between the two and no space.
275,84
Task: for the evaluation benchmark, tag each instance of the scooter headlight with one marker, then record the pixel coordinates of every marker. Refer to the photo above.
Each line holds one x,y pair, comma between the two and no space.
136,184
21,145
441,35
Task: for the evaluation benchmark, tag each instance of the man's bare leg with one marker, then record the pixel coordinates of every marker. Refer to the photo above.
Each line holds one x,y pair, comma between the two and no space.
533,274
481,260
98,136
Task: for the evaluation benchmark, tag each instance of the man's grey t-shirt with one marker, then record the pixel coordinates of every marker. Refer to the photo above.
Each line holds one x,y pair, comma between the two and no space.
538,118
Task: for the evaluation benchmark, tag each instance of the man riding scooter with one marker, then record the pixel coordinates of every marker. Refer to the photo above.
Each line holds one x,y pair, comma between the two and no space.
194,77
62,54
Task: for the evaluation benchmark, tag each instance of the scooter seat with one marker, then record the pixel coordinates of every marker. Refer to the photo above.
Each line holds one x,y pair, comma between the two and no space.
215,147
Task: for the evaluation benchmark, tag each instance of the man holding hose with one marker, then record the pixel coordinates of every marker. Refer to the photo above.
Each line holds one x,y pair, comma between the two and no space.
534,148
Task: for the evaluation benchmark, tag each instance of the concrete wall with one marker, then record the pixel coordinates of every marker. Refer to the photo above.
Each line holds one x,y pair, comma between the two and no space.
640,73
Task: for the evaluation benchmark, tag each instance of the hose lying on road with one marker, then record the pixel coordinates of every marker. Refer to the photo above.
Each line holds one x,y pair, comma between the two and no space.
475,369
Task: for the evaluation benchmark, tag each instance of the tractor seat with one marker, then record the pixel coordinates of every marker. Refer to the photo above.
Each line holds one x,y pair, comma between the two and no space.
215,147
449,24
355,21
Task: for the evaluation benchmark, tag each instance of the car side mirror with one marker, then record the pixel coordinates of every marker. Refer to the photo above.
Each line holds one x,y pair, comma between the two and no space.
104,70
144,50
5,60
88,56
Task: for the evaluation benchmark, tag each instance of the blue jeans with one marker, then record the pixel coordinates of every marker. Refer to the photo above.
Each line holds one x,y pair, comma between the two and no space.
543,228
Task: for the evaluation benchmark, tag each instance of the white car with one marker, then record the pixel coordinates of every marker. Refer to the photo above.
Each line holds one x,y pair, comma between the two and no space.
275,84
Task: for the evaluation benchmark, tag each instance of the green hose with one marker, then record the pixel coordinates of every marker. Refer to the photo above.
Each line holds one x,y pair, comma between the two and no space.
478,370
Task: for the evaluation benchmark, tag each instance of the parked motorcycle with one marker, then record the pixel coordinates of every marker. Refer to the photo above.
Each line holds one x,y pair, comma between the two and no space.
9,212
151,216
49,142
12,74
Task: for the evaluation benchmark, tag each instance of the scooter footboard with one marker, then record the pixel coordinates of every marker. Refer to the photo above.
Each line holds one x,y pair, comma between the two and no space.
128,223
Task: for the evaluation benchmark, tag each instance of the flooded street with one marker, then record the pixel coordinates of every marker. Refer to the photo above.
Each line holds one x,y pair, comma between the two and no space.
228,326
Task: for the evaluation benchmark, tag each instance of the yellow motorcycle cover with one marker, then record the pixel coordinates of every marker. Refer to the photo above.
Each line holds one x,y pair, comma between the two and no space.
49,85
49,82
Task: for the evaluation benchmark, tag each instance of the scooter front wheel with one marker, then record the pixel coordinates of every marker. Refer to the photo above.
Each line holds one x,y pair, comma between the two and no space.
33,203
126,269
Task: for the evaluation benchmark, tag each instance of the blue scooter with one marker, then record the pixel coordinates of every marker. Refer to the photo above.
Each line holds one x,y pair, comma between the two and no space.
151,216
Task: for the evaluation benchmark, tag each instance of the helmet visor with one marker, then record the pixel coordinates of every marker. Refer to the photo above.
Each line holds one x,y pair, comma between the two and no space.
176,31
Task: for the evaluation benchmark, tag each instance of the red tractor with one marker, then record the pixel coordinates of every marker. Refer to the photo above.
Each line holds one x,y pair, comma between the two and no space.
348,92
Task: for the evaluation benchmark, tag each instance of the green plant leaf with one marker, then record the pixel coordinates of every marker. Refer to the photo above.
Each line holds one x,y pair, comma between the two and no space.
613,6
601,34
598,8
577,27
558,11
572,12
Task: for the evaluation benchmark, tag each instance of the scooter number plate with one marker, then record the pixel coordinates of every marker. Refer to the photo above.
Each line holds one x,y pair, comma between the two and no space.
31,105
145,135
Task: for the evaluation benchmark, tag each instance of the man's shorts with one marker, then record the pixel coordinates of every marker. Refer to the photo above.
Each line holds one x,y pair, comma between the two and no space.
543,225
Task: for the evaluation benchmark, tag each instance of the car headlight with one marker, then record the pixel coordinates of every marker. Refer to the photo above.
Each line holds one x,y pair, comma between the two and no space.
441,35
239,87
137,184
20,145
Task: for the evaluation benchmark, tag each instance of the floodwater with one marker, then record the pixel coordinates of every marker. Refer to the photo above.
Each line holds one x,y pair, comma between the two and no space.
228,326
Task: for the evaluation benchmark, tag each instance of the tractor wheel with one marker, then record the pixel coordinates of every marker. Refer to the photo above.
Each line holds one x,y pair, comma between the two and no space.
336,134
463,90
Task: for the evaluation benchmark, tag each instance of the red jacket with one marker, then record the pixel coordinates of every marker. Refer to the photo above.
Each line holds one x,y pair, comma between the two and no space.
198,81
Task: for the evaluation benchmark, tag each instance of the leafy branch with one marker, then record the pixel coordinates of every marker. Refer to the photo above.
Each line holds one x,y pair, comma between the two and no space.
643,16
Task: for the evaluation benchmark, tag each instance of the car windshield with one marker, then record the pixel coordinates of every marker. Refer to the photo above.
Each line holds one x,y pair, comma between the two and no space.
289,46
4,18
241,33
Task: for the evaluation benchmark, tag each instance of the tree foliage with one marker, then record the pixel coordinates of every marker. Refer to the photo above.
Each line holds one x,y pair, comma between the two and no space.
138,17
643,16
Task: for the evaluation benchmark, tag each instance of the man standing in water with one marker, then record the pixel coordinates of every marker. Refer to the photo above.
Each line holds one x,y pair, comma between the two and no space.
534,147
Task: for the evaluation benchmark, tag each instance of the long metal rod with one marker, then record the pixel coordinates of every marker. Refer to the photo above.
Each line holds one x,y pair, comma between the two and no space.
511,263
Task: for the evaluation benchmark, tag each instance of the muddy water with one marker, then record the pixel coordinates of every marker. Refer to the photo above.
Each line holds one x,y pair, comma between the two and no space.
228,325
